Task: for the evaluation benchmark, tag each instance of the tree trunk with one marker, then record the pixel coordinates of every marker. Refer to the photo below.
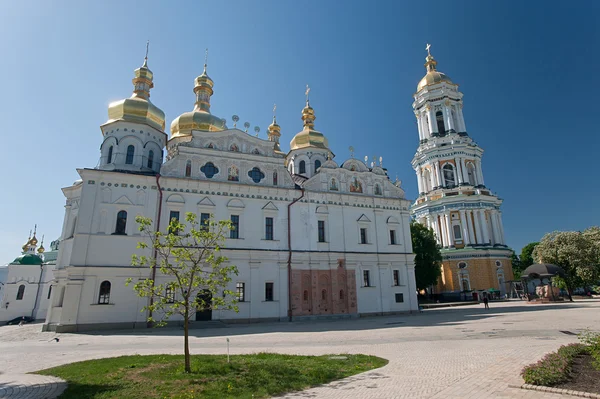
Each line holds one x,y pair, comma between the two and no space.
186,344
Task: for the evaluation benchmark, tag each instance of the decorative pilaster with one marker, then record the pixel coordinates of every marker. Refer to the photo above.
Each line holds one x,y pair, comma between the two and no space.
448,230
465,228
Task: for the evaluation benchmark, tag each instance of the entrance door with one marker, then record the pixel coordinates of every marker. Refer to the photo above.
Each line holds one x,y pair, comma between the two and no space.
206,314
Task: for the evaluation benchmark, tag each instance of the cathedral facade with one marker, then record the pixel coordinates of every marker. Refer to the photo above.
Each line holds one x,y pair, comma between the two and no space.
453,198
311,237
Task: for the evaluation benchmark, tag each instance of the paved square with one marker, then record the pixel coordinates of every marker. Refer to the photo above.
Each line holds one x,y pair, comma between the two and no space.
464,352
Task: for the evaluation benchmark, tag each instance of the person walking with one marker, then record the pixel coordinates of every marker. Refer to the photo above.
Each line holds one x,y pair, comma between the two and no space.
486,302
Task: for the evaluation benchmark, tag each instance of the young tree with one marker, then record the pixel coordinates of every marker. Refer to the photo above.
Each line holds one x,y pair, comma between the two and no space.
428,258
578,253
194,274
515,261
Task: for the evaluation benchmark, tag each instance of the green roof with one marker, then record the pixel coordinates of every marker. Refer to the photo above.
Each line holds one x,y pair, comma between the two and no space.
28,259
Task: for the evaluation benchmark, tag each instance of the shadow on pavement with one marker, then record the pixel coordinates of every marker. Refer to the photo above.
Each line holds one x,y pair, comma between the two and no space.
428,318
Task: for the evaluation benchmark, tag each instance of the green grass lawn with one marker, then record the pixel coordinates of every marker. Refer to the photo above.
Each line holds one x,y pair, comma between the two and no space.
246,376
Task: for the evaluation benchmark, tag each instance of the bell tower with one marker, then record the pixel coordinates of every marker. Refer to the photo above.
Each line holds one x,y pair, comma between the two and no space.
453,199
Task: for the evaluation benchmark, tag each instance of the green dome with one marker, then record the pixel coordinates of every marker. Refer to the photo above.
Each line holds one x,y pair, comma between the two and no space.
28,259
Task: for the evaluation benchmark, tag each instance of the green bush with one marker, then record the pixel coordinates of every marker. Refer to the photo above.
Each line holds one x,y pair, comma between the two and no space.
554,368
592,341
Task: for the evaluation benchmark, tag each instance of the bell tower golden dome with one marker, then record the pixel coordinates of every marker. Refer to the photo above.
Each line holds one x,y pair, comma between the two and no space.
433,76
200,118
138,108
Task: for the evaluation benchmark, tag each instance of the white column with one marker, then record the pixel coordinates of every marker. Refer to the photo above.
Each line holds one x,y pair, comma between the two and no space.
419,180
500,228
464,170
438,173
458,171
465,228
461,119
444,234
484,227
448,229
431,118
449,120
424,126
468,215
419,127
479,172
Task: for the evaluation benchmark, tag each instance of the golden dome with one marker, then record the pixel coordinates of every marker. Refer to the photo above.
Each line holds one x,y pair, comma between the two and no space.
200,118
433,76
138,108
41,249
309,137
33,241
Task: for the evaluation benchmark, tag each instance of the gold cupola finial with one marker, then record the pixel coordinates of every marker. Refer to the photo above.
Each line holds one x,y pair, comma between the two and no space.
203,88
34,240
433,76
200,117
41,249
308,114
138,108
274,130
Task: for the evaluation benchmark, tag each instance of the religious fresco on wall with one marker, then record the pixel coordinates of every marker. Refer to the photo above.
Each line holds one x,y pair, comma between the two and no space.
356,186
333,186
377,189
234,173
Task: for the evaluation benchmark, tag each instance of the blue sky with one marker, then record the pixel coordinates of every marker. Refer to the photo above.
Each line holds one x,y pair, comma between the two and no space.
527,70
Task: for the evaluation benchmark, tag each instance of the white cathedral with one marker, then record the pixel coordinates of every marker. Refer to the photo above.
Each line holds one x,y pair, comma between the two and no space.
312,238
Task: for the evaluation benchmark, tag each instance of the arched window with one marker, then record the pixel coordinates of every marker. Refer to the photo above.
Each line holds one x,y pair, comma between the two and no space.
457,234
275,178
449,178
465,284
209,169
211,145
129,157
341,294
104,294
121,222
170,294
324,295
21,292
426,181
110,151
471,174
302,167
305,295
439,116
317,165
188,168
150,159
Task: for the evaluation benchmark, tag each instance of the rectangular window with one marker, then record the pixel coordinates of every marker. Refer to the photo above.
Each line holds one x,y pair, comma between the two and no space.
268,228
392,237
321,231
240,289
269,292
396,277
366,278
363,236
235,227
173,215
399,298
170,295
204,221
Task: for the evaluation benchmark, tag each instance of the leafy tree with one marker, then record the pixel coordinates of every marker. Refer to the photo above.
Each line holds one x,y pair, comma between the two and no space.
515,261
527,255
428,258
193,273
578,253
